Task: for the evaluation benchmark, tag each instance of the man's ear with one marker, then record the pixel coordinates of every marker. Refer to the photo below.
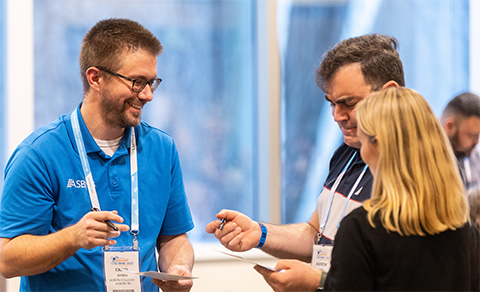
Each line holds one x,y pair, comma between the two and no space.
93,78
449,126
389,84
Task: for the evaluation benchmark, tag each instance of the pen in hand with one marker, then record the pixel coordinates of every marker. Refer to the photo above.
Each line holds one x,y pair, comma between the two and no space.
109,223
222,224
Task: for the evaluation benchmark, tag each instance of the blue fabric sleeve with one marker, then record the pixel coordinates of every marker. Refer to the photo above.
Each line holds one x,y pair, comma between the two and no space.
27,203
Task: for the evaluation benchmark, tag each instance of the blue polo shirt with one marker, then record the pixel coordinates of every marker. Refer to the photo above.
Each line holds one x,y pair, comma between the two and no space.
45,191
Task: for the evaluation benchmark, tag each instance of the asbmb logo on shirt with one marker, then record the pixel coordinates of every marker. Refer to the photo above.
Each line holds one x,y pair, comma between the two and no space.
78,184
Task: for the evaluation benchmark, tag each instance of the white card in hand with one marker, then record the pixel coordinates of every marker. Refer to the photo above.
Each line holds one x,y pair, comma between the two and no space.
162,276
246,260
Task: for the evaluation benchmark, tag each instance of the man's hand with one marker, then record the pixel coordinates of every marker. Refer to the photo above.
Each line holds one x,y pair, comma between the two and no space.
92,231
175,286
27,254
291,276
240,233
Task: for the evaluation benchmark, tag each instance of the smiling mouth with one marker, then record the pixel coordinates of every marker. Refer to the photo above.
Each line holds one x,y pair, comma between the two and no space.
138,107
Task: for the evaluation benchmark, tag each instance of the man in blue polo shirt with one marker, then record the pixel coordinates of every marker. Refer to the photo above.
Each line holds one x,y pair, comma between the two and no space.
90,197
349,72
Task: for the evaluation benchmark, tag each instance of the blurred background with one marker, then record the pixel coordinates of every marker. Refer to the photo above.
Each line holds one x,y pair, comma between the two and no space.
253,130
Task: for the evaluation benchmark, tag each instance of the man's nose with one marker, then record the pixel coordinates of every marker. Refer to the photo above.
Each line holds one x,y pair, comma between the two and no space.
146,94
339,113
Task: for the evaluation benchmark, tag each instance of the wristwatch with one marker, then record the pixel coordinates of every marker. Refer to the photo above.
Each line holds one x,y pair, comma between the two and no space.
322,282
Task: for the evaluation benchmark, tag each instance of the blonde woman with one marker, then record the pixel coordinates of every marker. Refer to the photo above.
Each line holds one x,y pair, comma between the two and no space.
414,233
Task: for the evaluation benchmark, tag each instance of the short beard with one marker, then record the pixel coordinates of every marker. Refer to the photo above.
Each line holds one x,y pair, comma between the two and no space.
114,115
455,141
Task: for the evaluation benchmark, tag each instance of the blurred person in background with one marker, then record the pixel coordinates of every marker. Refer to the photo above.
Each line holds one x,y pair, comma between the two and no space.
474,201
461,122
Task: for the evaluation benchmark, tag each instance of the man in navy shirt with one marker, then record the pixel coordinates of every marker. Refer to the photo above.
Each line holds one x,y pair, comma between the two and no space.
349,72
90,197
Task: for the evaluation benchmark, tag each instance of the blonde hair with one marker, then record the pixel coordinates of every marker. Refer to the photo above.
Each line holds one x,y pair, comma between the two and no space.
417,187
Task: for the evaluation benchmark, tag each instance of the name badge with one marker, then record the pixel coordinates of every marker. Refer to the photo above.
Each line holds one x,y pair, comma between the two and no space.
115,262
322,256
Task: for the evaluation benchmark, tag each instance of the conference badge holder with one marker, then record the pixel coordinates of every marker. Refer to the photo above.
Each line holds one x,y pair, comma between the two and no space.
117,260
322,256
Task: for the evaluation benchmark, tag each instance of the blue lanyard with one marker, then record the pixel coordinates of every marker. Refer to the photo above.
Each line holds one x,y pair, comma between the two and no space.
134,230
332,195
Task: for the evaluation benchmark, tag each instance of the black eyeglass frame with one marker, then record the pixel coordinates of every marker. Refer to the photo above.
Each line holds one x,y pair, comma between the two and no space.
153,83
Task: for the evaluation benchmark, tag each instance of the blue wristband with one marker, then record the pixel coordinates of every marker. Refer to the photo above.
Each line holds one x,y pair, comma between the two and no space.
263,237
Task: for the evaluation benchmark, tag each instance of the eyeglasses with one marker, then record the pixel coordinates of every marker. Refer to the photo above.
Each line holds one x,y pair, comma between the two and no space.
137,84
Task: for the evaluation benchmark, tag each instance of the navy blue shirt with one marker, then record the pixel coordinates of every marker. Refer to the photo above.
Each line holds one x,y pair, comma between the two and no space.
361,193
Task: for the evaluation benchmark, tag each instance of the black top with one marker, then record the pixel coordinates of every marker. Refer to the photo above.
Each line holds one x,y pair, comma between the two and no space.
367,259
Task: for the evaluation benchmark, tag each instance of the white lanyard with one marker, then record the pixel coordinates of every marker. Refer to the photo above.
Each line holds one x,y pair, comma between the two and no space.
332,195
468,172
344,211
89,178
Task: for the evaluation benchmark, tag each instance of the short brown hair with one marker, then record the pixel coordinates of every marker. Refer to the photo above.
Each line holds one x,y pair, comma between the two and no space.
377,55
465,105
106,41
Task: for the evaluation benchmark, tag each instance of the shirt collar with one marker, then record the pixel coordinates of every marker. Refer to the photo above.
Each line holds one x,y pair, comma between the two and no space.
90,144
